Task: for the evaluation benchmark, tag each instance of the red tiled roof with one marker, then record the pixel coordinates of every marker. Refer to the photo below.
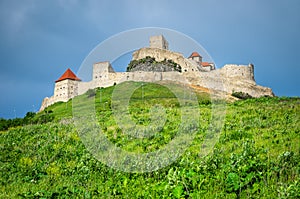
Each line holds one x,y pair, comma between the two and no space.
205,64
194,54
68,75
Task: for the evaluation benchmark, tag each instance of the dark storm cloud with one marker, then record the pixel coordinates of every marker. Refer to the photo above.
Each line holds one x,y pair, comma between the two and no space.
40,39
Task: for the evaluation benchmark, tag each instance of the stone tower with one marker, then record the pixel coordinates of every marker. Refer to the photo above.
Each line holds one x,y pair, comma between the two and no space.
66,87
101,70
159,42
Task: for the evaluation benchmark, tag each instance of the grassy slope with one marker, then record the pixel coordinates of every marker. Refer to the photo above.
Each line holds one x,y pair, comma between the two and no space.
257,154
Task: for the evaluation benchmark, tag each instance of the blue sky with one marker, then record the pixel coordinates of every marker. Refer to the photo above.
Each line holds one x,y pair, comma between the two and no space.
41,39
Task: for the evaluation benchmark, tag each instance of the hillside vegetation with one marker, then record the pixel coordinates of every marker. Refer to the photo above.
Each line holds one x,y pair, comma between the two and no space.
256,156
151,65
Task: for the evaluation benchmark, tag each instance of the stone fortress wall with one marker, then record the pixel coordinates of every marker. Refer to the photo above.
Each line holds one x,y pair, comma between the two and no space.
161,54
231,77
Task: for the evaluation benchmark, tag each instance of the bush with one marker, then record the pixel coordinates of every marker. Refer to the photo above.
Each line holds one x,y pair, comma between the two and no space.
5,124
29,117
91,93
241,95
151,61
45,118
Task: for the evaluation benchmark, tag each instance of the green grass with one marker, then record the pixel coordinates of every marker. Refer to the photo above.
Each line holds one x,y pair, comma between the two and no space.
257,155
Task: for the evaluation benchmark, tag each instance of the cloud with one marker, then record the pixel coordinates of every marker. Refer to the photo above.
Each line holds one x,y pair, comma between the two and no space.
40,39
15,15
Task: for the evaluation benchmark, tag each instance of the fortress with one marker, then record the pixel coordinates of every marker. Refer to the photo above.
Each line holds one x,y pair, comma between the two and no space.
158,63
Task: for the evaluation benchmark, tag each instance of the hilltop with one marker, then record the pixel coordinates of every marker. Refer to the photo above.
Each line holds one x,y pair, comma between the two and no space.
257,155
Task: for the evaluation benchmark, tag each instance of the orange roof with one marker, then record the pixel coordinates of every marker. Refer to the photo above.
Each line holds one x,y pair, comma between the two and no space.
194,54
68,75
205,64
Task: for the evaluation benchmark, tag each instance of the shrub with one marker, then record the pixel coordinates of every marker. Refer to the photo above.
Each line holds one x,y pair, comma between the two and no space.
241,95
45,118
91,93
151,61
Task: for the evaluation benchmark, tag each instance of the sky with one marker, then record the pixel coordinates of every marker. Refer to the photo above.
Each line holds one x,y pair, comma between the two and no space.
41,39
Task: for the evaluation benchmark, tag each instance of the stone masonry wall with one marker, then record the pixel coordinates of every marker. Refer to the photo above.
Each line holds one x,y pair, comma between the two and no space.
161,54
242,71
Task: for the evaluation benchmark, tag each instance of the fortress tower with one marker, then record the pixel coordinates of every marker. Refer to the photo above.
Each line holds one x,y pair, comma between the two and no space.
101,70
66,86
159,42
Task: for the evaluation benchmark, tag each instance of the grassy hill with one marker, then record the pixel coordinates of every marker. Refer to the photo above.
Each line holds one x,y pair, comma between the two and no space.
256,156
